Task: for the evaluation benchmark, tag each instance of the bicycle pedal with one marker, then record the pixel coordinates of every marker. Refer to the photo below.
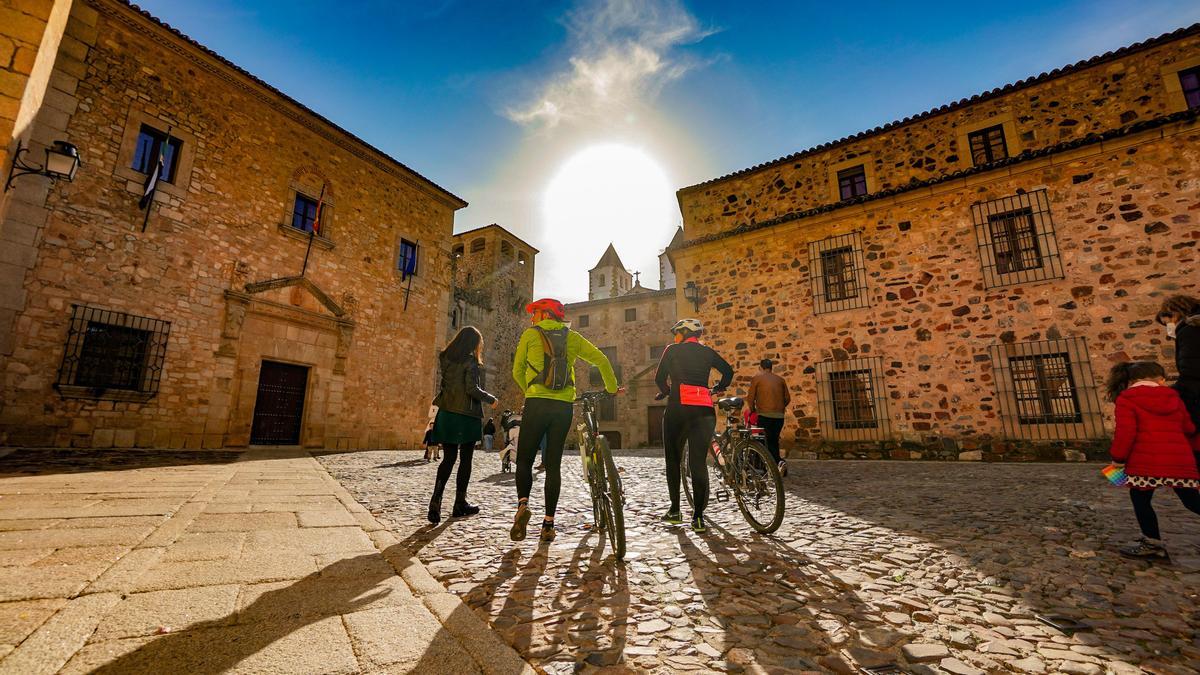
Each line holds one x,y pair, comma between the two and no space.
722,495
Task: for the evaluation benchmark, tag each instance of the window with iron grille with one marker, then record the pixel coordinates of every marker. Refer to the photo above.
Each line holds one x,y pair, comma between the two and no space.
112,355
987,145
851,400
584,320
1190,81
304,213
656,352
852,182
1016,239
607,409
1047,390
631,314
150,143
837,272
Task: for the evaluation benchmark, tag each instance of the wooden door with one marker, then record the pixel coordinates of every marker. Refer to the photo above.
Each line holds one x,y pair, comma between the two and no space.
279,408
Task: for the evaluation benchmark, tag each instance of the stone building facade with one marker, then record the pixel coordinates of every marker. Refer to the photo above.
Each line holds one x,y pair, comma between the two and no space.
493,281
632,329
957,284
198,328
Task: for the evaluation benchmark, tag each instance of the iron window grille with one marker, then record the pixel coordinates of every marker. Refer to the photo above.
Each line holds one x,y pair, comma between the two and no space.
150,142
112,355
584,320
987,145
838,274
631,314
607,409
1016,239
852,182
852,401
304,213
656,352
1189,80
407,257
1047,390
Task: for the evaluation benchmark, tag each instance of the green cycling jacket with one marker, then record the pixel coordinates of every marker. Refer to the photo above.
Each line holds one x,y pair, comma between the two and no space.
527,365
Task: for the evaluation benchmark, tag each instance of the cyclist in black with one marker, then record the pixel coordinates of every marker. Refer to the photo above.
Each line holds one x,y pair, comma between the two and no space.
690,417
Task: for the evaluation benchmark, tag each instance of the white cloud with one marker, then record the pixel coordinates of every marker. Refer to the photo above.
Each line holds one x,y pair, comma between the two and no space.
622,53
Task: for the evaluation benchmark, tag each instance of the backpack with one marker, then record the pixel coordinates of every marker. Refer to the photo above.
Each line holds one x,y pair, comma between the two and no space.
556,372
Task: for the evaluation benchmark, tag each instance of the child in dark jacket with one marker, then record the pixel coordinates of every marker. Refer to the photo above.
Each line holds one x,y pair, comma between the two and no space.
1154,440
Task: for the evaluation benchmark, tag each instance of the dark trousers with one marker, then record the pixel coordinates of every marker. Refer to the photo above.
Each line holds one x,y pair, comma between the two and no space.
543,417
1189,391
772,427
694,426
450,452
1147,520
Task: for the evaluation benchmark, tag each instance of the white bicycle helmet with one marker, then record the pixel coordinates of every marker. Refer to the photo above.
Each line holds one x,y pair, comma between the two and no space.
690,325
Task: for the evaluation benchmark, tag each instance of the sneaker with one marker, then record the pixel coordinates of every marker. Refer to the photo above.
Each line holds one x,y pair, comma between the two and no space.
547,532
673,517
782,467
1146,548
517,533
698,524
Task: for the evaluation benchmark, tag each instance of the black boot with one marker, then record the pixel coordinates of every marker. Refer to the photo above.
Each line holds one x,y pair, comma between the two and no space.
435,502
462,507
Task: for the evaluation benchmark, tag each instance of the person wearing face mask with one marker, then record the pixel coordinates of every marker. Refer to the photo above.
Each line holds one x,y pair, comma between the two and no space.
1180,315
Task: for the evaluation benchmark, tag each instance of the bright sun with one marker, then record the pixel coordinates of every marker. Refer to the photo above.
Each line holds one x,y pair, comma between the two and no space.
611,193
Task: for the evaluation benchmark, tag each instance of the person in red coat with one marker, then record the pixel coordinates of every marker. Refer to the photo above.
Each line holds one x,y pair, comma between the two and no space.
1154,440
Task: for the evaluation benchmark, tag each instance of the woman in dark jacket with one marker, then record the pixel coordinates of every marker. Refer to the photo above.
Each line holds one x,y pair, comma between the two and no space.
1180,315
459,422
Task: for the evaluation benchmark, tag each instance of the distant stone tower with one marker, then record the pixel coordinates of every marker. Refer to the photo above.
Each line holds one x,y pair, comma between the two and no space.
609,278
493,281
666,271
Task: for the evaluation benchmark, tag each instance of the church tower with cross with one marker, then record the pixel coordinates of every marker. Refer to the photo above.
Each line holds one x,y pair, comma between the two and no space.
609,278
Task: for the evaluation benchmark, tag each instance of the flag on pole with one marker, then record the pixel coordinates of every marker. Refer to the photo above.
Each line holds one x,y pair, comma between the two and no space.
316,228
410,264
152,178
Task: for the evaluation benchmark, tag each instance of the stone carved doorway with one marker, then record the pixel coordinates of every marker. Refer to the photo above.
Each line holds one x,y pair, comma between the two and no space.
279,406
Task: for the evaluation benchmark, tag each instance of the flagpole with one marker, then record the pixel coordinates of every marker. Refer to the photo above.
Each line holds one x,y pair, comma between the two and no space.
313,232
157,167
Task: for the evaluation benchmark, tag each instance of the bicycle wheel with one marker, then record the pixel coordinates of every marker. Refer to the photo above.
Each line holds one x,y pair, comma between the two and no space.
613,500
758,487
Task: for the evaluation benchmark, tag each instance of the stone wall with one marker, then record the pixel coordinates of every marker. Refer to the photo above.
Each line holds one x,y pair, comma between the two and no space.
1124,214
214,242
632,340
492,287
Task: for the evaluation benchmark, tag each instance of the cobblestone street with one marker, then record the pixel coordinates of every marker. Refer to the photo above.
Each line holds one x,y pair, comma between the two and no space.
937,567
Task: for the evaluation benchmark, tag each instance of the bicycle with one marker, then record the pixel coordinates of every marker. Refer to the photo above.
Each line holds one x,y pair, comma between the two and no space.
604,481
746,469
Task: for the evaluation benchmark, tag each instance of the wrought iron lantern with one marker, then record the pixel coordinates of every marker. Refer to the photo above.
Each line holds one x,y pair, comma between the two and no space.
62,161
692,293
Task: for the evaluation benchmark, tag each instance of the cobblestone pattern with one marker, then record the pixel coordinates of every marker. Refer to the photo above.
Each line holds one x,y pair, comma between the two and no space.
940,567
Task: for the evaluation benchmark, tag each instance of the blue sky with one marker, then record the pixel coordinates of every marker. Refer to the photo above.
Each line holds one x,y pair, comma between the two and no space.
492,99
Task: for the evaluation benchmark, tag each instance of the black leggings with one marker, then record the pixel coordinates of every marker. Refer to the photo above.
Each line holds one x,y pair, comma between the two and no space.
552,419
450,452
692,425
1144,511
772,426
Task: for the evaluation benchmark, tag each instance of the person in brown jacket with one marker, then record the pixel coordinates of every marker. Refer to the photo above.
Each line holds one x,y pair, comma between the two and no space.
769,398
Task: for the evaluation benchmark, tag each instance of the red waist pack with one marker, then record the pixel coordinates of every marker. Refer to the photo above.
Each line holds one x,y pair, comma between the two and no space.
690,394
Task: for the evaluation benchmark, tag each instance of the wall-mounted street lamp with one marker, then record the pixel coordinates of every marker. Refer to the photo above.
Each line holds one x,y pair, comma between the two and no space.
62,161
692,293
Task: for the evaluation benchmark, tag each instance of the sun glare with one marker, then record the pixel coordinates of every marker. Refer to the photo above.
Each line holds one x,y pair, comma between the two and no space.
612,193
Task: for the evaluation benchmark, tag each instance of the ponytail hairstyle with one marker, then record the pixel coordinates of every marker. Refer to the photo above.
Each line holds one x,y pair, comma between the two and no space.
1177,308
1124,374
466,346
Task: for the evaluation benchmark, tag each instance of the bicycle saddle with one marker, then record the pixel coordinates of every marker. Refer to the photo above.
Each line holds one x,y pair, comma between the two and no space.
733,403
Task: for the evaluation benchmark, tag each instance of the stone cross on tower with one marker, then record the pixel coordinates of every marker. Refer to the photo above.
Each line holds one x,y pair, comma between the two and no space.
637,278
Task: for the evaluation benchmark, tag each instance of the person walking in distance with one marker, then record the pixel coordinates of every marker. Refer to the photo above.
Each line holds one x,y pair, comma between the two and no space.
1153,442
769,398
544,368
459,422
682,378
1180,315
489,434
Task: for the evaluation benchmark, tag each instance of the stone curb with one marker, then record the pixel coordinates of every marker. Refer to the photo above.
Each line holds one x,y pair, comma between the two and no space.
490,653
